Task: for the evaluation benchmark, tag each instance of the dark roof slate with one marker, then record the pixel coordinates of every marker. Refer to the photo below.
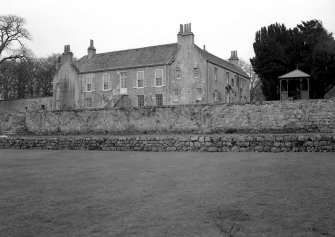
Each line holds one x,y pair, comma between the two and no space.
140,57
223,63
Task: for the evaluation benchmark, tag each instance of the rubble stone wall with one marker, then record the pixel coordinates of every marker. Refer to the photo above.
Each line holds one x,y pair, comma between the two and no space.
215,143
306,116
268,117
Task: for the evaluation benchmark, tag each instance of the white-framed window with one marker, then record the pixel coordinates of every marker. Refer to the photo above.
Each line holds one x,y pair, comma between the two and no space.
89,83
178,73
227,77
159,77
140,79
123,78
215,74
199,93
176,93
196,72
159,99
140,100
106,82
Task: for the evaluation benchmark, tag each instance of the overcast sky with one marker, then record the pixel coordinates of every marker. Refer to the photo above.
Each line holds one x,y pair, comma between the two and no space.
116,25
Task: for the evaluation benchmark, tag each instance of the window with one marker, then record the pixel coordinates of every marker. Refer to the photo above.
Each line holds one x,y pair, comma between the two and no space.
159,99
199,93
106,82
178,73
175,94
227,77
140,100
123,78
140,79
215,95
89,102
196,72
43,107
159,77
232,81
89,86
215,74
58,93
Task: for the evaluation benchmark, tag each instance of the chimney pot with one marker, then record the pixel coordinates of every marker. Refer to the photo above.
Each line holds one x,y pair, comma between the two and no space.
181,28
233,58
189,27
91,50
204,47
67,55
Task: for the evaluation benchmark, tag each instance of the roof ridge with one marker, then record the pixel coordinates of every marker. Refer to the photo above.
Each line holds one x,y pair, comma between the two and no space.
296,73
153,46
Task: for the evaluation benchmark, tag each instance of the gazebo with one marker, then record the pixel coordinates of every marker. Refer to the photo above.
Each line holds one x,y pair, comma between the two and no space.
294,85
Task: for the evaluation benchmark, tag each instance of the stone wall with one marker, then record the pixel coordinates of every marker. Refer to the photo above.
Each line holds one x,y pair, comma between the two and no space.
269,117
213,143
22,105
12,123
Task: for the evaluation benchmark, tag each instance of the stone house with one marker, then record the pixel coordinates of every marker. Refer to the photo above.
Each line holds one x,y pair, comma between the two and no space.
171,74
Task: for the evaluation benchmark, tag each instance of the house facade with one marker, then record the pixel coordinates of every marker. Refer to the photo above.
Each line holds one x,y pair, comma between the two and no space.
171,74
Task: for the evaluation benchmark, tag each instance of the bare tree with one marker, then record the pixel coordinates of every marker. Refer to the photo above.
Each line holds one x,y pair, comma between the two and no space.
247,68
12,36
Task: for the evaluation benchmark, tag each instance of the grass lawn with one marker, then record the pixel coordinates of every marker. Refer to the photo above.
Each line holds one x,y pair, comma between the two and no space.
96,193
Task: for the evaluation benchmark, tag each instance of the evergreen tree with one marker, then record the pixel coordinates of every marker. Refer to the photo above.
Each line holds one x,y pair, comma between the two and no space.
279,50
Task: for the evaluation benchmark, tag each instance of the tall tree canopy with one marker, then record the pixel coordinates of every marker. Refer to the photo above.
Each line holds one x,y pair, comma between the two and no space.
28,77
279,50
12,36
21,74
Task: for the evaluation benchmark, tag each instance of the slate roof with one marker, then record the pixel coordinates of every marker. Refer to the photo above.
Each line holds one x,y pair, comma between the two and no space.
140,57
294,74
223,63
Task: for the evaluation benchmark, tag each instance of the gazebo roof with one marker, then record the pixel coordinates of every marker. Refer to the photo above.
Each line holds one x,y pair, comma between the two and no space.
294,74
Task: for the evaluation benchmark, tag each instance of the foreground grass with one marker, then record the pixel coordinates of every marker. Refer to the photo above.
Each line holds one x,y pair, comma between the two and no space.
80,193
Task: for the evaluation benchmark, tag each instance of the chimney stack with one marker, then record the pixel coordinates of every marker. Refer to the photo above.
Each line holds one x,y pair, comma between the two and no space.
67,56
91,50
185,34
233,58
